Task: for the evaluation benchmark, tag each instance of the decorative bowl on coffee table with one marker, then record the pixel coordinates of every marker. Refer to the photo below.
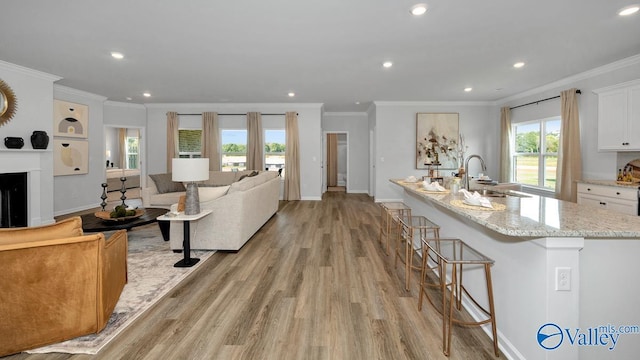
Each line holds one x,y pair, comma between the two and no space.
106,216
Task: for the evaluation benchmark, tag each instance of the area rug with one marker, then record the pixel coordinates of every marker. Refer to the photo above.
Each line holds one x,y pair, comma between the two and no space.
151,275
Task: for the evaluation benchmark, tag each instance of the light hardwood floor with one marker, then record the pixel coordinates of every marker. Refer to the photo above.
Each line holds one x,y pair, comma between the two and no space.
313,283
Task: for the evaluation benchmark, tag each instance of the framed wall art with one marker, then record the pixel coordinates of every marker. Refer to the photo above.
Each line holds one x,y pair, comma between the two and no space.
70,119
437,137
70,157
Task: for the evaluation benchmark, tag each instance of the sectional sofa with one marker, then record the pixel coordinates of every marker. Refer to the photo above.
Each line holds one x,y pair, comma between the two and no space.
241,204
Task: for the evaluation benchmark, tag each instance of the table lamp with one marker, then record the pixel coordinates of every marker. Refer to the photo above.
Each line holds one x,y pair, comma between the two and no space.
190,170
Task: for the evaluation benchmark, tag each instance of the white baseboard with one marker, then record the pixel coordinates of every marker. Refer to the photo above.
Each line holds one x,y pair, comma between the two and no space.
388,200
312,198
358,191
77,209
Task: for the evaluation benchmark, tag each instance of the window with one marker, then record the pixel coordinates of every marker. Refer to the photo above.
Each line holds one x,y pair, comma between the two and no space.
274,146
536,157
189,143
132,153
234,150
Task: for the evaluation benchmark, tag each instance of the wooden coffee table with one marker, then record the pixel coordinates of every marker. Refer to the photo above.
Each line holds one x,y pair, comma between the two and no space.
90,223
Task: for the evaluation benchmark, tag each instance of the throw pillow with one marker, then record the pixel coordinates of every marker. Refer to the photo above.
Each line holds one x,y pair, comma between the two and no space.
253,173
164,184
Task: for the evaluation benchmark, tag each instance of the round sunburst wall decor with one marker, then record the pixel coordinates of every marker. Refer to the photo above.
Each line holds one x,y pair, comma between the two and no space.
8,103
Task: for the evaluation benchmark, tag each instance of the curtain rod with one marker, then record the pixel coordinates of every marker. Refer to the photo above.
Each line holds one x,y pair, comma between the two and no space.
238,114
539,101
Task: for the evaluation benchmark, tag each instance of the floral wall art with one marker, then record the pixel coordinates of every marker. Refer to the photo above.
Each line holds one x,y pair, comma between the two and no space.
437,137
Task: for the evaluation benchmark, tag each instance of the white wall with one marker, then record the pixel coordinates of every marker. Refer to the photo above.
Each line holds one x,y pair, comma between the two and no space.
357,125
395,138
111,143
124,115
34,92
82,191
595,164
119,114
309,120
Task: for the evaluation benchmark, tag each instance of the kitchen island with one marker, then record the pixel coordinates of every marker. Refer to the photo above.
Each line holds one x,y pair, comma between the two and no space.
530,238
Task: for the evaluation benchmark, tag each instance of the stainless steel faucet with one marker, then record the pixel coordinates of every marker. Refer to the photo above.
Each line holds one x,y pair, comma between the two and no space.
466,169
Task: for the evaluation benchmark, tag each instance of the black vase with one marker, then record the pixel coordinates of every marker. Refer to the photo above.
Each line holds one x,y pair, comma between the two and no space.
39,139
14,142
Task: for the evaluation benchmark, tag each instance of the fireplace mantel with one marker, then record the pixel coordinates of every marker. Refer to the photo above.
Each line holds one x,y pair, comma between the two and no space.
29,161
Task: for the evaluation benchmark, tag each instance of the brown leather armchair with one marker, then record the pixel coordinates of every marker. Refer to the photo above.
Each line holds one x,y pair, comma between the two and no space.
57,283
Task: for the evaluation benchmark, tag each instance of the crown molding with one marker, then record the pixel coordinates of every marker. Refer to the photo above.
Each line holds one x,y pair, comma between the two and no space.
75,92
618,86
345,113
124,105
30,72
233,106
433,103
616,65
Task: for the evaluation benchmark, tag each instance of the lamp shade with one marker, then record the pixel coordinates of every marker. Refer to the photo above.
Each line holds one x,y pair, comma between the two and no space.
184,169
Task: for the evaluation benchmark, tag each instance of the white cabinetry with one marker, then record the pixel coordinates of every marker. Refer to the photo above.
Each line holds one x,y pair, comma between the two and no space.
624,200
619,117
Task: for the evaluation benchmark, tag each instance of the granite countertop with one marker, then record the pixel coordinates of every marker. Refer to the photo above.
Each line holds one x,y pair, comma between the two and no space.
537,216
610,183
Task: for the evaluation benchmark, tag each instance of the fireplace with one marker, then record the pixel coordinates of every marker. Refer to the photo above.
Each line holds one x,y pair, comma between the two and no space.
38,191
13,200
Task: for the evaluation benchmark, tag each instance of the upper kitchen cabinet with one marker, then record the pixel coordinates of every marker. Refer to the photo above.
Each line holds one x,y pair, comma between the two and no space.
619,117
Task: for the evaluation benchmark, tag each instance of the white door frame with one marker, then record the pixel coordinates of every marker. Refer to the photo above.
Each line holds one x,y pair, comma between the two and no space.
142,154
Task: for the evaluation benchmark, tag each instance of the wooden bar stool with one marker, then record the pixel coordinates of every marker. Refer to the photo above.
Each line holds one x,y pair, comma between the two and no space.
456,253
412,229
389,213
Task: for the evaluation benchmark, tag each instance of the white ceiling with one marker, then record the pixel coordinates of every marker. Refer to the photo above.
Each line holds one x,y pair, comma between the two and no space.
326,51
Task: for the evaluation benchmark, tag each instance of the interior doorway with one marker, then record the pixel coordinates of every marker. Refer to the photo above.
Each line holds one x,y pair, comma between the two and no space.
123,159
336,161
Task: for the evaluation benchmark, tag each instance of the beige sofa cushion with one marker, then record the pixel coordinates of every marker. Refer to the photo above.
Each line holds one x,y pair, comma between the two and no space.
164,184
212,193
253,181
220,178
204,193
165,199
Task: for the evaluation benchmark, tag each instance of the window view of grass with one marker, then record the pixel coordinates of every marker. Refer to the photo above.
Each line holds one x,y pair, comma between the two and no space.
189,143
234,148
531,166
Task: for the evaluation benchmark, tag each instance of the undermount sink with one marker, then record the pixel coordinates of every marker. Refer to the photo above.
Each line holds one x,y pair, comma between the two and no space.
501,193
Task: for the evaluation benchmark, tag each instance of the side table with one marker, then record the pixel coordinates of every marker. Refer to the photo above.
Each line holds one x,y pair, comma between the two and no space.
187,261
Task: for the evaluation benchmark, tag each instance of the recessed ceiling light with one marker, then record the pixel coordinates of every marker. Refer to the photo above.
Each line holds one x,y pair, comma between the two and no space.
146,94
129,98
387,64
117,55
631,9
418,9
357,102
467,89
291,94
518,65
